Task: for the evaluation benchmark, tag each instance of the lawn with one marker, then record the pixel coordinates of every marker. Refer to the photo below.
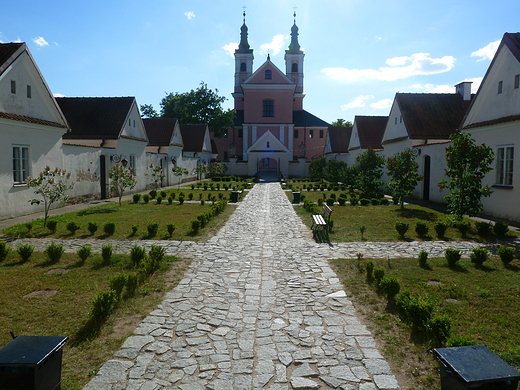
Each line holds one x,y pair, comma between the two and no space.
64,293
482,304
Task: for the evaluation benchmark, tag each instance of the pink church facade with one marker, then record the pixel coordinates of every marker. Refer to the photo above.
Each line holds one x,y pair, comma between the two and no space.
272,132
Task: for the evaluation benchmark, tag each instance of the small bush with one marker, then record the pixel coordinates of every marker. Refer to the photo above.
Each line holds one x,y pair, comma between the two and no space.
137,254
163,194
136,198
29,226
155,258
390,286
415,310
92,227
364,201
375,202
463,227
483,228
362,230
109,228
423,259
135,228
153,194
452,256
501,228
330,201
4,250
506,253
384,202
106,254
117,284
52,225
195,226
159,199
421,229
146,198
54,252
72,227
152,228
84,253
379,274
439,330
202,202
170,200
25,251
132,282
370,270
181,199
479,255
190,196
440,229
171,228
354,201
341,201
102,306
401,228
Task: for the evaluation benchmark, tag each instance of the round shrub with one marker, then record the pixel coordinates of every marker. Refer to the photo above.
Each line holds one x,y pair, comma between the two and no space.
483,228
52,225
195,226
170,228
463,227
109,228
102,306
163,194
364,201
153,228
384,202
401,228
137,255
479,255
84,253
54,252
117,284
390,286
72,227
330,201
25,251
423,259
146,198
452,256
506,253
136,198
440,229
4,250
375,202
181,199
421,229
370,270
342,201
106,253
170,200
501,228
153,194
379,274
159,199
92,227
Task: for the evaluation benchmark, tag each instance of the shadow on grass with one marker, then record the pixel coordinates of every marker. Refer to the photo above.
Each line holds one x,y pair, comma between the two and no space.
458,268
321,236
417,214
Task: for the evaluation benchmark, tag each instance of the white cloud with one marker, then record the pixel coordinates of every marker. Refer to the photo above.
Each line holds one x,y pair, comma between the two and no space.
230,48
358,102
400,68
275,46
431,88
58,95
190,15
40,41
384,104
487,52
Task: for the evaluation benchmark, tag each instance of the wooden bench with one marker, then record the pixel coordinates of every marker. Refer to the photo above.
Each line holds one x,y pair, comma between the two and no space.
321,221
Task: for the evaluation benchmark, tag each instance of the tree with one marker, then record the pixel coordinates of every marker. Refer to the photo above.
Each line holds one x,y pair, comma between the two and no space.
156,175
402,168
341,123
216,169
121,179
369,171
335,171
147,111
200,106
317,168
180,172
51,185
467,164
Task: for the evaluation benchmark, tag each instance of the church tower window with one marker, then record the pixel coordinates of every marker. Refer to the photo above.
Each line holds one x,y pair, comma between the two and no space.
243,67
268,74
294,68
268,108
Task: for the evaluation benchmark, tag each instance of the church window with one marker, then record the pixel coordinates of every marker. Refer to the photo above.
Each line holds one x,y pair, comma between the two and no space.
268,108
268,74
294,67
243,67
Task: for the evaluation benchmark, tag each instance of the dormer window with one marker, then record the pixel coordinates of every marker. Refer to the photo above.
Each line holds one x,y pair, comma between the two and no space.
243,67
268,74
294,68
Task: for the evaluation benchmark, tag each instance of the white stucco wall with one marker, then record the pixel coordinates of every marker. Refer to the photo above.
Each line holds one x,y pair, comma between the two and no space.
83,164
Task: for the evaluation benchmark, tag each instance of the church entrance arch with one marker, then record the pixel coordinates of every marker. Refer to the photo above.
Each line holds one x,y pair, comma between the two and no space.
267,164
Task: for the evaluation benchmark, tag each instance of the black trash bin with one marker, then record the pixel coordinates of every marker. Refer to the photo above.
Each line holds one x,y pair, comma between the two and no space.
475,367
32,363
296,197
234,196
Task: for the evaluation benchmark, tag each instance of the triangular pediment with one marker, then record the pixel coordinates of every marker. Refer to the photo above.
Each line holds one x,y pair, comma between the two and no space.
134,127
277,76
268,142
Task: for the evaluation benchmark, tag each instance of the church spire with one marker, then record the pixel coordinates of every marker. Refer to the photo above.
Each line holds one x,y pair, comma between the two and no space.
294,46
243,47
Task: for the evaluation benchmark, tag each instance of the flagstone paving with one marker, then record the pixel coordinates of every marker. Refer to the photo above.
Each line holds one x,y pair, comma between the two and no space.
259,308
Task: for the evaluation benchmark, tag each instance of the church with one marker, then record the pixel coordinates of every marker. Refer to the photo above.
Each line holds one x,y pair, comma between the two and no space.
272,133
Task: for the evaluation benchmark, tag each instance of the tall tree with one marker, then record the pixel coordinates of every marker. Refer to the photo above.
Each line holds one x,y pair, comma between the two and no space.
199,106
147,111
402,168
317,168
341,123
369,171
336,171
467,164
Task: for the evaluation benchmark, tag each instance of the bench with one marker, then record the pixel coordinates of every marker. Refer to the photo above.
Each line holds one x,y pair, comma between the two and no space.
321,221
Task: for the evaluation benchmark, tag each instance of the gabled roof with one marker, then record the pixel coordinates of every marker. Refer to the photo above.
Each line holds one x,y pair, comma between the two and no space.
306,119
159,130
193,137
95,117
370,130
431,115
339,138
10,52
277,77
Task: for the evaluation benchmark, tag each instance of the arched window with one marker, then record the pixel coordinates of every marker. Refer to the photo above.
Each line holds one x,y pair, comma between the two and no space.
294,67
268,107
268,74
243,67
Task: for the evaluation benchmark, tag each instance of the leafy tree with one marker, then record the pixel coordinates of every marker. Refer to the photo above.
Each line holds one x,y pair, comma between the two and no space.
402,168
342,123
335,171
156,175
216,169
51,185
369,171
147,111
121,179
199,106
317,168
467,163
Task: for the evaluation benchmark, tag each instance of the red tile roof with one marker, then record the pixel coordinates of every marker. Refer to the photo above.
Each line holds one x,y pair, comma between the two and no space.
193,137
22,118
95,117
339,138
370,130
159,130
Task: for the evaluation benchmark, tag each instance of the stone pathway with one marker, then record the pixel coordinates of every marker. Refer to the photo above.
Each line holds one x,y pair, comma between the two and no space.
259,308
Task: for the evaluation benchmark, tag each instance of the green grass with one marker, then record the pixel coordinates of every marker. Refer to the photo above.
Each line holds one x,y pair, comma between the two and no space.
64,313
125,217
482,304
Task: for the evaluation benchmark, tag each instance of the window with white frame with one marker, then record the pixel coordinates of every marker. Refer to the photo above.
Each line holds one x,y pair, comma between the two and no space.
20,164
131,162
504,167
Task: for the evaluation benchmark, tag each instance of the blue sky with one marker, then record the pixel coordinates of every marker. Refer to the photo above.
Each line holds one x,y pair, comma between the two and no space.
358,53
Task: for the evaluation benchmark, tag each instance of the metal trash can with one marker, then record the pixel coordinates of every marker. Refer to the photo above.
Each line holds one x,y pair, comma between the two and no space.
296,197
32,363
234,196
474,367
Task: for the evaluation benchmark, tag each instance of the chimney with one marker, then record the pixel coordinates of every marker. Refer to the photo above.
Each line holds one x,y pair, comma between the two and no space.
464,89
